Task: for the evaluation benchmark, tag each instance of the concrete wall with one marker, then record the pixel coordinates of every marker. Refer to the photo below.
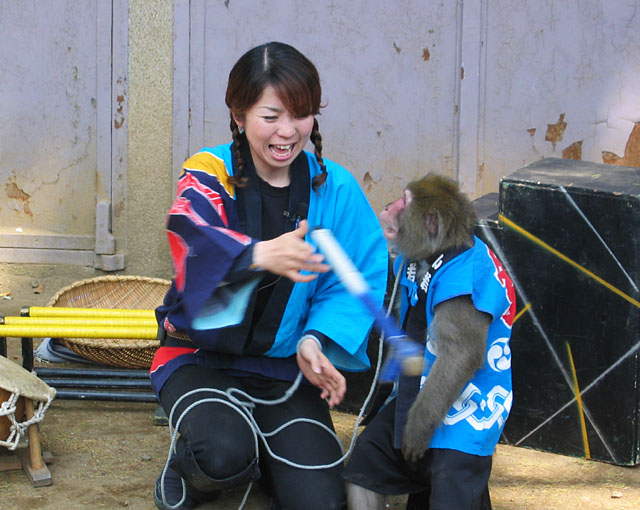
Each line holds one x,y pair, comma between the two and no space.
150,136
139,218
473,90
388,74
560,79
470,89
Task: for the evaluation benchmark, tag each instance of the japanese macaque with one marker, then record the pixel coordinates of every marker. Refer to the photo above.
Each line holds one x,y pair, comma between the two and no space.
433,218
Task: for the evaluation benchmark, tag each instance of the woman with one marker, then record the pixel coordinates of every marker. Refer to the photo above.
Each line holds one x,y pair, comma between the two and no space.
238,225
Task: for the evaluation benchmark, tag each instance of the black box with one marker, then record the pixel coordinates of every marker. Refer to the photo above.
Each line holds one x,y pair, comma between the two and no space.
570,234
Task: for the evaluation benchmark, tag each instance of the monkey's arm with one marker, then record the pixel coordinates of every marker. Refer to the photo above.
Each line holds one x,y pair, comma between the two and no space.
460,331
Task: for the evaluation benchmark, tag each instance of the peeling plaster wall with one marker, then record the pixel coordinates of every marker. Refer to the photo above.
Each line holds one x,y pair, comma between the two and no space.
40,142
561,81
473,90
47,144
387,73
468,89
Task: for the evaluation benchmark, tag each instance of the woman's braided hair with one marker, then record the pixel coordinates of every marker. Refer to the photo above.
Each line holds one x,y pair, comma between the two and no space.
295,80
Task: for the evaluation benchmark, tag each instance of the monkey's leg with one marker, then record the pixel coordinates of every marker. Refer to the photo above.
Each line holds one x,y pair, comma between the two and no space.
364,499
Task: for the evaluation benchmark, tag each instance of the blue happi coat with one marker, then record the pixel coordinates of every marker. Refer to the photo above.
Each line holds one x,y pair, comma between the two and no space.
211,228
475,421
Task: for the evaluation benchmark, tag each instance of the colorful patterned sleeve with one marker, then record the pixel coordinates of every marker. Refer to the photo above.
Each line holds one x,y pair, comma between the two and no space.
200,229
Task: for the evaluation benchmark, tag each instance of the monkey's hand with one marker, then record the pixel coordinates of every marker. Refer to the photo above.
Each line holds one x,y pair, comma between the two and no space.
460,333
417,434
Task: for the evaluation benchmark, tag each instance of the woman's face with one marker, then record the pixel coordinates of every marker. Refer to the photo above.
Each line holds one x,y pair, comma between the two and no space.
275,136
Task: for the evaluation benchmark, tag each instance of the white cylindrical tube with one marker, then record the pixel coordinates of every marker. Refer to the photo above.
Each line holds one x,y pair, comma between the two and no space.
339,261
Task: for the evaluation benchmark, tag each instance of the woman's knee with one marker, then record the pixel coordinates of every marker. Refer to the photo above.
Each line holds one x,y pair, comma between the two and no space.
214,469
224,458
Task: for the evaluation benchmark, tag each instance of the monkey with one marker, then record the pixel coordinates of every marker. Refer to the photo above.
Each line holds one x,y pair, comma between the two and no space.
434,438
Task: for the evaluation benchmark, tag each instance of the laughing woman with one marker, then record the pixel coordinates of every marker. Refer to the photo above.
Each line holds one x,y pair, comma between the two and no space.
252,304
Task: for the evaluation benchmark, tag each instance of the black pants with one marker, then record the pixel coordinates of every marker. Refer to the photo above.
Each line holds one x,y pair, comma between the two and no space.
442,480
220,443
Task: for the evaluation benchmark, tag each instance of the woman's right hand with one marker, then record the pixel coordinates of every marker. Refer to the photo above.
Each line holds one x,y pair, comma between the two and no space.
289,254
320,372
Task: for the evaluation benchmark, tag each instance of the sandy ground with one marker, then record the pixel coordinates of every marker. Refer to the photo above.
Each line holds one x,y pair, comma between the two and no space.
108,455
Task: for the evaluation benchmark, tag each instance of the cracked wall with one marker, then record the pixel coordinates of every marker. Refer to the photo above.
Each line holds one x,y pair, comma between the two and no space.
561,81
551,79
48,136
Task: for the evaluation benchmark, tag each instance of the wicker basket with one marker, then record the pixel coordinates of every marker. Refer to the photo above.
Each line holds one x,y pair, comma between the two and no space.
131,292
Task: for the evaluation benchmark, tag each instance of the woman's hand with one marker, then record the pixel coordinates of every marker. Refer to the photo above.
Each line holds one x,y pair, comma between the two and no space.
320,372
288,255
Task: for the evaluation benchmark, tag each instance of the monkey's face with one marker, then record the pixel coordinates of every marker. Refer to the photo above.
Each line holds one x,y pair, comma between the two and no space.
405,226
390,216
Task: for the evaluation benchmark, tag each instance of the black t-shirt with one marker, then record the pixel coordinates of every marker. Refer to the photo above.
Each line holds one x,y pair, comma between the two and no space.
275,201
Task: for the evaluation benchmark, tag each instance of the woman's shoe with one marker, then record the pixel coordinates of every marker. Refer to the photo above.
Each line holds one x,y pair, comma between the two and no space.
173,492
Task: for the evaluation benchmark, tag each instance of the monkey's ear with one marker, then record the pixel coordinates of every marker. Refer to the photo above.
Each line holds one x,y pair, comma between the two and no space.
431,222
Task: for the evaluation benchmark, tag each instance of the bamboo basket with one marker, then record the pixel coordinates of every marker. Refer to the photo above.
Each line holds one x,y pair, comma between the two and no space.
113,291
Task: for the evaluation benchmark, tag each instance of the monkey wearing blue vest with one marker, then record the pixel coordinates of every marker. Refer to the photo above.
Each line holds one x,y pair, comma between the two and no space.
437,444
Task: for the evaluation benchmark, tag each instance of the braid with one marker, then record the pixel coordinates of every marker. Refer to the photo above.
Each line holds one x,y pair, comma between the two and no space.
237,179
316,139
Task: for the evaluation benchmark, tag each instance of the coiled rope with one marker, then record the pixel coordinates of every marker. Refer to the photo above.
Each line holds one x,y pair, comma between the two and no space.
244,409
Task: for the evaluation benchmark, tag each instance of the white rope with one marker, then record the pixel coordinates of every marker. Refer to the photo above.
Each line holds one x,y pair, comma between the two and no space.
18,429
243,408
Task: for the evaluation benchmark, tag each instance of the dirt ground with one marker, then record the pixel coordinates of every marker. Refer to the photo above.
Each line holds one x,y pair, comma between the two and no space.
107,455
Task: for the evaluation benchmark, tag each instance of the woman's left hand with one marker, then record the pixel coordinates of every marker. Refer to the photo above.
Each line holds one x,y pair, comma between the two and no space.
320,372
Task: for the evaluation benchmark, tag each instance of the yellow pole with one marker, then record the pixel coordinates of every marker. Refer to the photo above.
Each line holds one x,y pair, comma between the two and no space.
53,331
80,321
59,311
